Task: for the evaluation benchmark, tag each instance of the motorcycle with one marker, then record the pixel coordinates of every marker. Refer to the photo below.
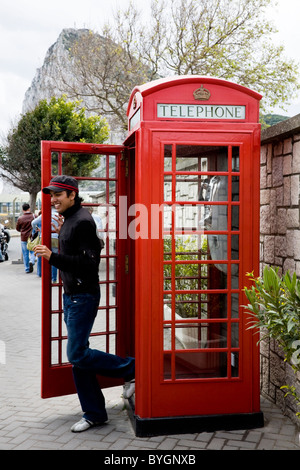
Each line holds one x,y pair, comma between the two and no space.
4,241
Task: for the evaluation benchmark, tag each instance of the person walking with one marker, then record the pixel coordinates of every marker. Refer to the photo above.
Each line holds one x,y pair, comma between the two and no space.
78,261
24,227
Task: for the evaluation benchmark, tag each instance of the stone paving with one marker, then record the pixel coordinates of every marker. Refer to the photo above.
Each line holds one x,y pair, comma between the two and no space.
27,422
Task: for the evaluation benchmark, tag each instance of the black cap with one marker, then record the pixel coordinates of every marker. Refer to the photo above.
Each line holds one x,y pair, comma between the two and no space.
61,183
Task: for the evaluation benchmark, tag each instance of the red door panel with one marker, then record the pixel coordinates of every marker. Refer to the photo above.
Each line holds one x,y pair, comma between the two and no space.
101,178
201,341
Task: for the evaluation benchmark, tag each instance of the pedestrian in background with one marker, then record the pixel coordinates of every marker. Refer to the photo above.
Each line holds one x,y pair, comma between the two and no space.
24,227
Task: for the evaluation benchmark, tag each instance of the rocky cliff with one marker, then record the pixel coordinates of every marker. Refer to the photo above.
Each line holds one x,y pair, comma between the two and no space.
45,83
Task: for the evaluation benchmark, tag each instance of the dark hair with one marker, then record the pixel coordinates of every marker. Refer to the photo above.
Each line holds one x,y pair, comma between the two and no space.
25,206
78,199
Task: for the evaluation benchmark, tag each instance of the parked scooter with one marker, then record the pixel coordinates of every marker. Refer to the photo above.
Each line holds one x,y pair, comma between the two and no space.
4,241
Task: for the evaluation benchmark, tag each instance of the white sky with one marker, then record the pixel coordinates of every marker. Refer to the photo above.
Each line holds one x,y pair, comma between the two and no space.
29,27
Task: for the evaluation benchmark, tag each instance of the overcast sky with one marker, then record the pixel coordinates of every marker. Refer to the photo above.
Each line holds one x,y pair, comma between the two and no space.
29,27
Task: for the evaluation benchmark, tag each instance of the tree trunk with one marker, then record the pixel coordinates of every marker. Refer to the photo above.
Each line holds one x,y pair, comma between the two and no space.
33,198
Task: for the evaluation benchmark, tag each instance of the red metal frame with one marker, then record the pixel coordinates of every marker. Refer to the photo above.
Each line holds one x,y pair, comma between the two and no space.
57,377
156,395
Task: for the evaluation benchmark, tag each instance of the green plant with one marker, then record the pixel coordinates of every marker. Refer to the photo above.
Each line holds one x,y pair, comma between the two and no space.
274,305
188,277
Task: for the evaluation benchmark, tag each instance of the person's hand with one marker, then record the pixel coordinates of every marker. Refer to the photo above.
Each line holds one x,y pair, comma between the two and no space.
59,222
42,250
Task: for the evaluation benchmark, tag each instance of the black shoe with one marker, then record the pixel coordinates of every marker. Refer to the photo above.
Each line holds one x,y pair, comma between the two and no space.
30,267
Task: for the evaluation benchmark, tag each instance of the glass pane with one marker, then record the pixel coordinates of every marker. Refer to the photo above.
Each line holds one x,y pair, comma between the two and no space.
100,322
112,269
235,215
112,218
191,247
112,319
201,306
214,188
197,276
103,295
234,276
198,217
54,163
235,305
201,158
235,158
188,187
55,352
235,247
112,192
88,186
234,335
167,277
167,247
217,245
213,217
54,326
112,166
201,336
84,164
167,218
234,364
168,158
168,188
235,188
112,294
200,365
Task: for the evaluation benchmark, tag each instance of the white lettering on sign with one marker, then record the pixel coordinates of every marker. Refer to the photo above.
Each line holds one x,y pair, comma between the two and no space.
200,111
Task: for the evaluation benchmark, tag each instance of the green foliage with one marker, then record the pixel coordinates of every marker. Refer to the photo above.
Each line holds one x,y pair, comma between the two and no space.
57,119
187,276
274,304
272,119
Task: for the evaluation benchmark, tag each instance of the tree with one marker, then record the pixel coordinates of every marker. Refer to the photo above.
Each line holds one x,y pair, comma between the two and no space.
58,119
229,39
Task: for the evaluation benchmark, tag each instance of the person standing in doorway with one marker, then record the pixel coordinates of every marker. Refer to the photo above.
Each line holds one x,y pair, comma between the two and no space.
24,226
78,261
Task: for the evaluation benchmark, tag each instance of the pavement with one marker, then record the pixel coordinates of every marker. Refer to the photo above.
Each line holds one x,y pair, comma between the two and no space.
28,422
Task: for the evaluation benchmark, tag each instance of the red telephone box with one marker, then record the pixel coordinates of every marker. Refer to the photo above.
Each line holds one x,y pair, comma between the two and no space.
185,233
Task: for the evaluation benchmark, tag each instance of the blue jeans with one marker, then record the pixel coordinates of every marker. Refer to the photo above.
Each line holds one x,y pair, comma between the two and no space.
28,256
80,311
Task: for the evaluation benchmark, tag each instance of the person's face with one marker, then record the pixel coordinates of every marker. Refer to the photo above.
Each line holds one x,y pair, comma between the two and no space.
61,201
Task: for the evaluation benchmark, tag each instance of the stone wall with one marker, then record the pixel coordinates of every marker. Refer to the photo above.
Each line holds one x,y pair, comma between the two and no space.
280,240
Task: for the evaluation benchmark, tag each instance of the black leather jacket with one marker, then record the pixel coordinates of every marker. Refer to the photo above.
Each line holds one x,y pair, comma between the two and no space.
79,252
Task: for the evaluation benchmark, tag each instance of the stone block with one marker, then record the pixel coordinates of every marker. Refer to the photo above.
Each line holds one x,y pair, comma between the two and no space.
277,173
265,219
296,158
292,218
296,245
281,221
263,154
278,149
290,244
287,165
289,265
295,190
263,177
287,191
280,246
287,146
264,196
269,248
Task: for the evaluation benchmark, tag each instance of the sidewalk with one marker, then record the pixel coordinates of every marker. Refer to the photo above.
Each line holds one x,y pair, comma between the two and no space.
28,422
